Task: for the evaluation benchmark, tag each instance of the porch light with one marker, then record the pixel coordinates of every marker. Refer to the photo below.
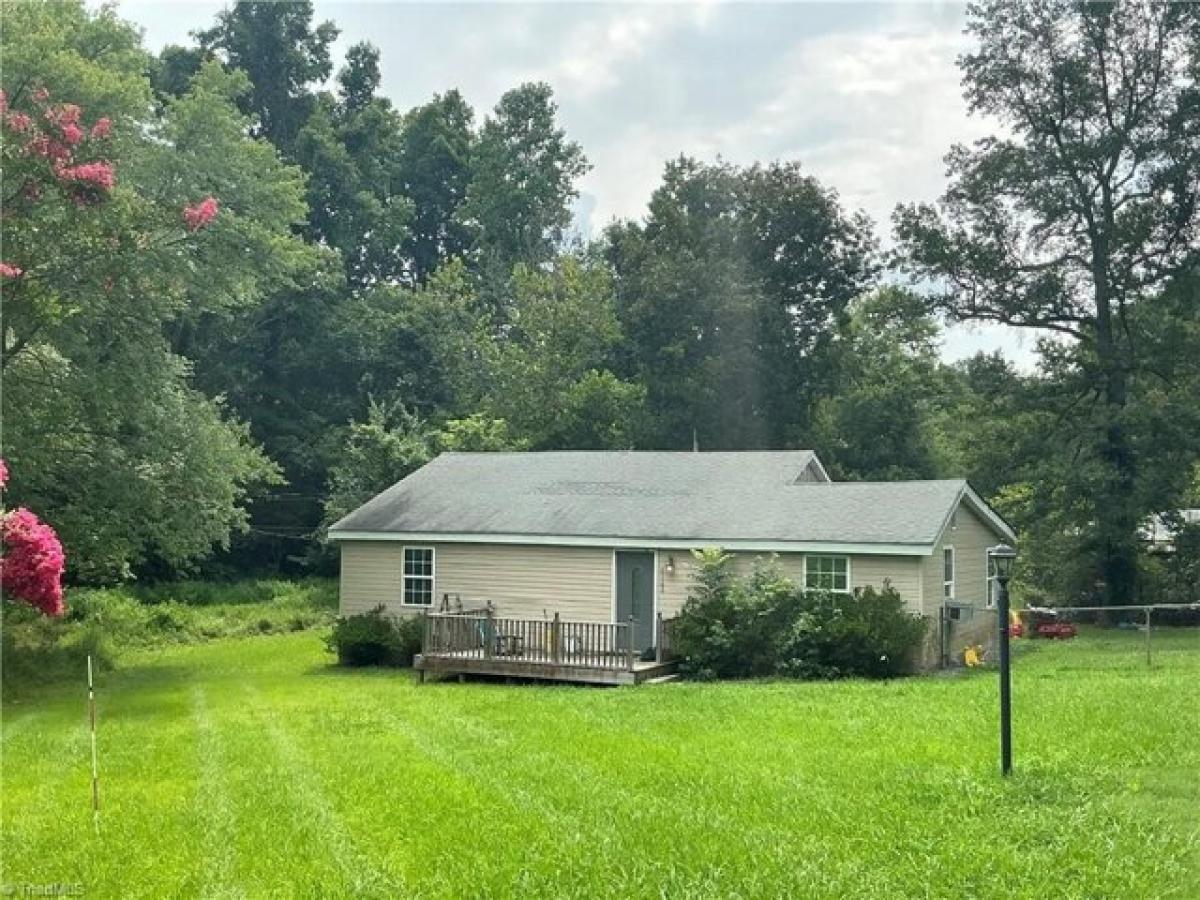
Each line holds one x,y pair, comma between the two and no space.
670,565
1002,557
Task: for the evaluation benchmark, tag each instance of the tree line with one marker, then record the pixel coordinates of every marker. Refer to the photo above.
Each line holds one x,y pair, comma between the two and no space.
371,286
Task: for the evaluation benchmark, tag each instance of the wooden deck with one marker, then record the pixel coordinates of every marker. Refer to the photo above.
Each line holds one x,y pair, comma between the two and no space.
480,643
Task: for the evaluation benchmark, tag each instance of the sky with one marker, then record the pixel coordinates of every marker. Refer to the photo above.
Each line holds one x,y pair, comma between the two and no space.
865,95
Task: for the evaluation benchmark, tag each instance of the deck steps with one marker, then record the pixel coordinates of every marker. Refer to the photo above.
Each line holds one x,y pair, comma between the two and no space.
662,679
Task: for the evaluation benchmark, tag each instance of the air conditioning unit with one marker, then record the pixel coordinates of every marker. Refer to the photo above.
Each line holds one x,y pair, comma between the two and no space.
958,612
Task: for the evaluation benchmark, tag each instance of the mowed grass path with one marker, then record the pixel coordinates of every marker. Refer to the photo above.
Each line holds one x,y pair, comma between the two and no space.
251,768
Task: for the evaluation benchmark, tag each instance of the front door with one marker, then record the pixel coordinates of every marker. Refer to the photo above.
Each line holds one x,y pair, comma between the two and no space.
635,594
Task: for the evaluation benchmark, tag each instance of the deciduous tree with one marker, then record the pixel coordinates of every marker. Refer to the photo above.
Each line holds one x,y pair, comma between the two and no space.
1075,216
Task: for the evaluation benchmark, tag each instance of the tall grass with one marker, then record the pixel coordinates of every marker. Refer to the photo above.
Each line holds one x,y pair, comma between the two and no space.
107,622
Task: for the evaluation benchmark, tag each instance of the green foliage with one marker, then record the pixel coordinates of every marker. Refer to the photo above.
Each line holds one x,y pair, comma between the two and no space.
36,650
390,444
880,424
435,154
1075,221
114,443
548,374
278,47
1174,577
523,173
477,434
867,633
763,625
376,639
111,622
730,334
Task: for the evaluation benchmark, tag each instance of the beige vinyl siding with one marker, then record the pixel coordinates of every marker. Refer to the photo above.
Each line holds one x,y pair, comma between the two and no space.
525,581
904,573
970,538
370,576
531,581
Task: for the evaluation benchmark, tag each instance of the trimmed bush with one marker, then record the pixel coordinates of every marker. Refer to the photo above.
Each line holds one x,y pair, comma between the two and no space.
376,639
866,634
764,625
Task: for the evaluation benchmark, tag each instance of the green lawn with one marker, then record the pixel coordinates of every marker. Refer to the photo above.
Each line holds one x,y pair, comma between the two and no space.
250,767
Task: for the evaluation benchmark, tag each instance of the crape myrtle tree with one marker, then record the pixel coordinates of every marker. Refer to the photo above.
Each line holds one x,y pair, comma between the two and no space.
31,558
124,222
1073,220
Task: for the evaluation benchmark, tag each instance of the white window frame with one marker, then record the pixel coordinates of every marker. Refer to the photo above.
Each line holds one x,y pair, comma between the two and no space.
431,577
989,581
949,584
849,577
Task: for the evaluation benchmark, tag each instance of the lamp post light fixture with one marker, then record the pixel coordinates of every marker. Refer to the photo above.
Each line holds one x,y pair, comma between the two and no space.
1001,559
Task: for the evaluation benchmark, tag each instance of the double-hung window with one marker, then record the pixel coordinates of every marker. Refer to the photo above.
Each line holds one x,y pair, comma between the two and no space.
827,573
948,573
418,576
990,585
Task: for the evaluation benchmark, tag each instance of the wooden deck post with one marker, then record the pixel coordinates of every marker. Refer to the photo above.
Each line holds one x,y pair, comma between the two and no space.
556,639
629,646
658,637
489,633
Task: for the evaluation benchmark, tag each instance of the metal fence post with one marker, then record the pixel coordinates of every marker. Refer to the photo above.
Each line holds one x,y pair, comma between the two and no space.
1149,610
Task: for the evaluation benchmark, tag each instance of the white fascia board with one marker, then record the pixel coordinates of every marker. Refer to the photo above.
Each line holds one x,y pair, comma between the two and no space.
567,540
981,506
821,466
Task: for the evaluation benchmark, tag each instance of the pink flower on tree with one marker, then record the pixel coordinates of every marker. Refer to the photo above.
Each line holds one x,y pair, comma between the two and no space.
41,95
8,271
19,122
102,128
99,174
32,567
199,215
72,133
68,113
3,464
41,145
3,102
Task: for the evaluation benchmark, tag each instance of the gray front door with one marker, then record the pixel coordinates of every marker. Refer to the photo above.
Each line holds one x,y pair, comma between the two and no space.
635,594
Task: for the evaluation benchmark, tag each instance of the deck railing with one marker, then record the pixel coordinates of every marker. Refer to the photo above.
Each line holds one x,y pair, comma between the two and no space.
554,642
664,638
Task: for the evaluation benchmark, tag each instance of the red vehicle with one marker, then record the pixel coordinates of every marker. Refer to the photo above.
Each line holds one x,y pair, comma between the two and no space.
1045,622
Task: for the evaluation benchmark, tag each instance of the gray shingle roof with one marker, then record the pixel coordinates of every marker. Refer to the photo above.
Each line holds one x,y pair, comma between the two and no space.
703,497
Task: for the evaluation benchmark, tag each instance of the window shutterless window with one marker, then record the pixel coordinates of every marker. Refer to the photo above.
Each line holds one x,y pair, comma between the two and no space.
827,573
948,573
990,584
418,576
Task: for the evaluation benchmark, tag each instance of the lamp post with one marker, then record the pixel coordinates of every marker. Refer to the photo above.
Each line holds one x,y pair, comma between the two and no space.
1001,557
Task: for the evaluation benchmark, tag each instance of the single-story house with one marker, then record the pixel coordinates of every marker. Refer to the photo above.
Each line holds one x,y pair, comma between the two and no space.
607,537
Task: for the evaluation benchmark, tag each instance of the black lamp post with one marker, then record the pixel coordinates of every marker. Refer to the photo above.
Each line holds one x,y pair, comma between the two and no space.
1001,558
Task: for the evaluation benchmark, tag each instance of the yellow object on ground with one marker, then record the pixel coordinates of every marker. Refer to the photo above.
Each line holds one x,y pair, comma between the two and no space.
973,655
